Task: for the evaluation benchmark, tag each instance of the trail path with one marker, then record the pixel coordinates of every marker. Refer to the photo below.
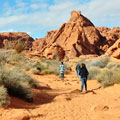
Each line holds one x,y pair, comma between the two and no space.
64,101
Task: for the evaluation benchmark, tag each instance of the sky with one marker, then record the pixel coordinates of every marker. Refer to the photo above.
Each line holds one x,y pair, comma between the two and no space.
37,17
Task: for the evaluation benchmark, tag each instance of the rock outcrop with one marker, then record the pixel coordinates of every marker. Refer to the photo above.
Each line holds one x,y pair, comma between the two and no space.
10,39
110,36
114,50
76,37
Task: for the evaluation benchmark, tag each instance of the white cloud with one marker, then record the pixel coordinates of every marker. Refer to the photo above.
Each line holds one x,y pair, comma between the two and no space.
43,15
34,6
103,12
20,3
38,6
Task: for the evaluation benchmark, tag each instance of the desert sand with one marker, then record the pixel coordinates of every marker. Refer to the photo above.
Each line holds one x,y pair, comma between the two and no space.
62,100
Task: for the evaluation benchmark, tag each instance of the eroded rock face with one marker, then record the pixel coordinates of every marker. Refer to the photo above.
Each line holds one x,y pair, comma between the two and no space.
114,50
12,38
110,36
77,37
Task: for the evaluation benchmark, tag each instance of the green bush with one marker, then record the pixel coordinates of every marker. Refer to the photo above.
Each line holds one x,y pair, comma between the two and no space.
4,98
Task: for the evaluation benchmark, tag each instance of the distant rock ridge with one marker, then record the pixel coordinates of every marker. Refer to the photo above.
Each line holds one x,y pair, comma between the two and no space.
15,37
76,37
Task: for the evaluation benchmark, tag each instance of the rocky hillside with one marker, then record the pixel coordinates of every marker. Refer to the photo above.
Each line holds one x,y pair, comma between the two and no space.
110,36
76,37
10,39
114,50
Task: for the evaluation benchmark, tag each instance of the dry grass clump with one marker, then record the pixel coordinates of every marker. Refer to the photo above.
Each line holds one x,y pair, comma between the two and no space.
18,83
93,72
107,73
99,62
19,47
111,65
4,98
45,66
109,77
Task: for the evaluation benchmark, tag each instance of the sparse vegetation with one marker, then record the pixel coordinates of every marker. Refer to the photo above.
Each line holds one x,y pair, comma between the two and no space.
14,78
93,72
18,83
4,98
111,65
19,47
107,73
109,77
99,62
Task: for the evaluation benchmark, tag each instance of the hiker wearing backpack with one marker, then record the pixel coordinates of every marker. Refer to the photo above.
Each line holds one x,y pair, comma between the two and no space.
78,70
84,73
62,70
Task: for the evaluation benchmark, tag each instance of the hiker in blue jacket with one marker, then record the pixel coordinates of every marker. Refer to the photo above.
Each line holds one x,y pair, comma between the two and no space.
78,70
84,73
62,70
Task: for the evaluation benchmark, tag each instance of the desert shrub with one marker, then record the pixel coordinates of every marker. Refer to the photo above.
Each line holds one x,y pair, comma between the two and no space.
18,83
50,71
4,98
109,77
8,45
118,65
19,47
99,62
35,71
48,66
110,65
93,72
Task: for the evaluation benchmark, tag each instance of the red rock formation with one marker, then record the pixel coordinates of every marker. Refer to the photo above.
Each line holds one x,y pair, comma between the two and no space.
114,50
14,38
77,37
110,36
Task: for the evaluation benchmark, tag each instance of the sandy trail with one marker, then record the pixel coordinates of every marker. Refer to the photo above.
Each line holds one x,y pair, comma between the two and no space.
64,101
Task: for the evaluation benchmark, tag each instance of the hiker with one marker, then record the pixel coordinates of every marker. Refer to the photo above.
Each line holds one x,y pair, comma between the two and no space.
84,73
62,70
78,70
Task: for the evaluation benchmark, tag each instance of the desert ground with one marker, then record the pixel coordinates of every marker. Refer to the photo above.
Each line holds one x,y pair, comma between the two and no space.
62,100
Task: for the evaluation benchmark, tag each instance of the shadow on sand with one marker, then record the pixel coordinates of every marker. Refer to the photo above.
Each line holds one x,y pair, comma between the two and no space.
42,95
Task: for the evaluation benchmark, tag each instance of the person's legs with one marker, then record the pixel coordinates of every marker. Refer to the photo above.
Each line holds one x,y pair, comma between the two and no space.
78,73
62,76
82,80
85,82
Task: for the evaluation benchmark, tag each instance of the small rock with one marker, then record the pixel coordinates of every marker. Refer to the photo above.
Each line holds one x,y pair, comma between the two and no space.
100,108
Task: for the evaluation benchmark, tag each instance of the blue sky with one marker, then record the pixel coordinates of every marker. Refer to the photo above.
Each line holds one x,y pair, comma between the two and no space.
36,17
